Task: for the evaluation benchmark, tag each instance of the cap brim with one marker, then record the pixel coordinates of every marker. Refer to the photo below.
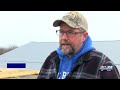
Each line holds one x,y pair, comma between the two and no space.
57,23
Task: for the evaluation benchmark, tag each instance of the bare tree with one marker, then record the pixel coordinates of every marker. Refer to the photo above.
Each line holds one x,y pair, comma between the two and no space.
5,50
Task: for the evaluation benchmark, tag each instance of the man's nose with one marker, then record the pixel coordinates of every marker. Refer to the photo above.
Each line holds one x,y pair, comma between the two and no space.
64,36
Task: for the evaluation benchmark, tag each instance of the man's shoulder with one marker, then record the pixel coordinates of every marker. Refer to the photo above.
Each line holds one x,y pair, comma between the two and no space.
99,56
96,53
53,53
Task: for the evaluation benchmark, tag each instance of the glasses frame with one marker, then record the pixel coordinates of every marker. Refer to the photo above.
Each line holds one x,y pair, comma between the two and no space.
69,33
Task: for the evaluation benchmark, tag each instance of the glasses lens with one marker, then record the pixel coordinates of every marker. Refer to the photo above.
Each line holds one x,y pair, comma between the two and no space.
58,32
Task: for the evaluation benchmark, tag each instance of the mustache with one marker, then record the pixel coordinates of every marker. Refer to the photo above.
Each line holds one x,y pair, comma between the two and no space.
64,42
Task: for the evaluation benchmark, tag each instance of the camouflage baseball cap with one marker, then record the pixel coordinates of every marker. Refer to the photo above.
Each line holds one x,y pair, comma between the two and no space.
74,20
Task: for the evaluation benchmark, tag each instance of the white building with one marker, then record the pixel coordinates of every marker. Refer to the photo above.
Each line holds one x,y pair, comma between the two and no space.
34,53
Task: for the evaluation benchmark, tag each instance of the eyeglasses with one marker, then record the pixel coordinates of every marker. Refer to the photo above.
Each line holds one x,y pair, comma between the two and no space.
68,33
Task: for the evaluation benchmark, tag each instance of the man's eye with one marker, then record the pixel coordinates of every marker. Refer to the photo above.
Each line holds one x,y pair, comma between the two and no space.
70,32
61,32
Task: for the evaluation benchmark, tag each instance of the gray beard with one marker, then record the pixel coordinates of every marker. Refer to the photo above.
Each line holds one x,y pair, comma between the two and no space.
68,52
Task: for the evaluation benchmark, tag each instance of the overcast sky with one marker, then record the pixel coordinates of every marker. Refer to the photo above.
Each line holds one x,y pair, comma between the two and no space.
21,27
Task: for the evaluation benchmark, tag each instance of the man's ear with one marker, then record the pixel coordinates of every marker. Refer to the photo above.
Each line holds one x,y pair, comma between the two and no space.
85,34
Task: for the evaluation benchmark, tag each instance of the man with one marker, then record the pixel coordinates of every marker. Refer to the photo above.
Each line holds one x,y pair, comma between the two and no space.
76,58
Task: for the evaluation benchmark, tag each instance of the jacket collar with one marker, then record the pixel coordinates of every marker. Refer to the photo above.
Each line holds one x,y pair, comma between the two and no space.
84,58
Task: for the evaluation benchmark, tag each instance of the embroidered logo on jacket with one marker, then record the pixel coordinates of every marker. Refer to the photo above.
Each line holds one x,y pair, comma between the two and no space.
62,75
107,68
